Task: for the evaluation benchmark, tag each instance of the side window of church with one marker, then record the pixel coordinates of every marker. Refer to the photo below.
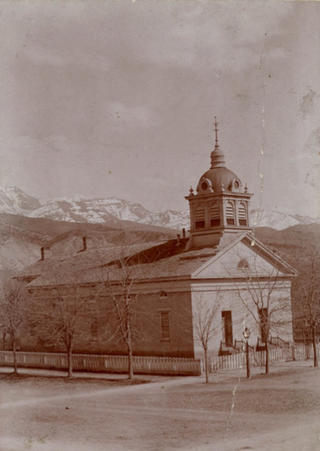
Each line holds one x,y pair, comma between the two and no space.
200,218
242,214
165,325
263,315
230,213
227,327
94,328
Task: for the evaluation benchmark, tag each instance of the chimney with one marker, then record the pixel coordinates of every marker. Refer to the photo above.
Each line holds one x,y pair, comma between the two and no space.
183,233
42,253
84,241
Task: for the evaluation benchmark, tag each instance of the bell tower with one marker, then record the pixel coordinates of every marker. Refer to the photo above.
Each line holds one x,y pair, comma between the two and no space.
220,205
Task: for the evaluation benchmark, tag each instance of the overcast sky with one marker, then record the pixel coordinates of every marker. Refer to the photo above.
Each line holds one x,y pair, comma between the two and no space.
117,98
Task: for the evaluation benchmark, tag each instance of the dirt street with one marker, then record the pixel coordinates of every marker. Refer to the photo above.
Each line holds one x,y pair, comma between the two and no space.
279,412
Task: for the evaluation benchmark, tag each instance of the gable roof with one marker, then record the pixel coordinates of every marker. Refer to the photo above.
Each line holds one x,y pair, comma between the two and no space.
81,261
280,267
167,260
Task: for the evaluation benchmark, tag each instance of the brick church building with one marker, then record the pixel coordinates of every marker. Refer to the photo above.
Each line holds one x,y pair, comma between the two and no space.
219,262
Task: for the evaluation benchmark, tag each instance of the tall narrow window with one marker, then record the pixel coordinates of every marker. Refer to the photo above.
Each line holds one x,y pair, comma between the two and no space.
165,325
200,218
242,214
263,315
227,327
94,328
214,214
230,213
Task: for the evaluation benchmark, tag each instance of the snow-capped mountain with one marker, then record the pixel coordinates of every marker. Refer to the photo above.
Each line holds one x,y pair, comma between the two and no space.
15,201
112,210
278,220
109,210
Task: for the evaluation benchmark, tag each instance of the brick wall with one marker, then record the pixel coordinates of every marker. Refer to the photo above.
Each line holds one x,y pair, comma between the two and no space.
96,326
158,306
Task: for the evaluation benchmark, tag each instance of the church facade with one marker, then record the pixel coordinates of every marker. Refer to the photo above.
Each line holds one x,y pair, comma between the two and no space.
220,268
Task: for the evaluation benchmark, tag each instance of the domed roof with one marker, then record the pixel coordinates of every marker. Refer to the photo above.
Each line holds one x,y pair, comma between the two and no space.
218,178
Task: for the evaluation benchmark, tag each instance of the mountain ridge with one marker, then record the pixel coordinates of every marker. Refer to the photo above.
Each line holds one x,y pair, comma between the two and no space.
112,211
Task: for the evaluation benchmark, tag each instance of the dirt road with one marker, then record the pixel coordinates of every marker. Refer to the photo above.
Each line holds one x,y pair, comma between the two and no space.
279,412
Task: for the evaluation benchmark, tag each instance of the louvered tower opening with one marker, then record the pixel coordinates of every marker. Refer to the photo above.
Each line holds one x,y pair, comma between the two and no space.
214,214
242,214
200,218
230,213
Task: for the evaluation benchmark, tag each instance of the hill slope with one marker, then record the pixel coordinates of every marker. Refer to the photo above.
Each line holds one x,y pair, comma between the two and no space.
21,237
299,246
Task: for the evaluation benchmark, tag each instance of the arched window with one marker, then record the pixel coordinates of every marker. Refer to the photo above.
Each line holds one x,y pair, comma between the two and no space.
230,213
243,264
163,294
214,214
242,214
200,218
236,185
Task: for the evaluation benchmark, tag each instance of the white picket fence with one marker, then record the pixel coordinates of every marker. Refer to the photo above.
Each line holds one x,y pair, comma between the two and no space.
304,351
155,365
104,363
257,358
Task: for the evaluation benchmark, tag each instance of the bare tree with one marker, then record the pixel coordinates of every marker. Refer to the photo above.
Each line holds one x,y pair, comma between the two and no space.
205,326
12,313
59,319
118,282
67,321
310,306
270,312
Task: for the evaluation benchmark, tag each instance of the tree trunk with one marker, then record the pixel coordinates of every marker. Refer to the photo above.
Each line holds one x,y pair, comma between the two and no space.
4,341
129,338
247,359
307,351
314,344
267,357
14,350
206,367
69,352
130,359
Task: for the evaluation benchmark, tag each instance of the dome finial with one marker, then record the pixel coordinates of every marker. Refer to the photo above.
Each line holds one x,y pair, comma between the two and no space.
216,132
217,157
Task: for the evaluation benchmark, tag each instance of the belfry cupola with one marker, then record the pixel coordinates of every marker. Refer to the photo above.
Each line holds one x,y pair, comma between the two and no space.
220,205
